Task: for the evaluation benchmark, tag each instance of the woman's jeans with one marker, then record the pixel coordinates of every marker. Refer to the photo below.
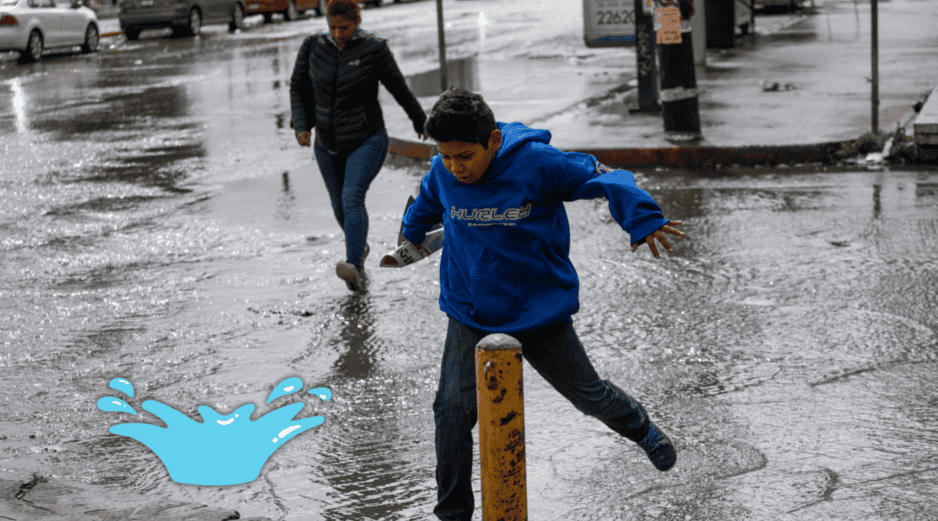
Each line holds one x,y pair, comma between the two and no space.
347,179
553,351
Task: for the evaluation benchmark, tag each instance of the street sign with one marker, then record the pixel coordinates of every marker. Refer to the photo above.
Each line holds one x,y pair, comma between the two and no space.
609,23
668,25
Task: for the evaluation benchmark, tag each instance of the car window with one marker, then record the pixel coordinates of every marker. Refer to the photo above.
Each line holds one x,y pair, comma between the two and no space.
47,3
8,2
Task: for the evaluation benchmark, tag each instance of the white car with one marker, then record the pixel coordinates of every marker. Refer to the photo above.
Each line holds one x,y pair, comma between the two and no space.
30,26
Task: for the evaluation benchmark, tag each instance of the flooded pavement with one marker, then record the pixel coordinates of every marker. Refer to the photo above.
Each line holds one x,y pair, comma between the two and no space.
160,224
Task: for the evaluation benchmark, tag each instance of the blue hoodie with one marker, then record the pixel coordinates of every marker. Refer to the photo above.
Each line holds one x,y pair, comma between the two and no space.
505,263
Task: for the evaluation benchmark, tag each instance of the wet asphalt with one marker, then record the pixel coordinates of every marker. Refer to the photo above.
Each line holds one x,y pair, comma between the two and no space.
158,223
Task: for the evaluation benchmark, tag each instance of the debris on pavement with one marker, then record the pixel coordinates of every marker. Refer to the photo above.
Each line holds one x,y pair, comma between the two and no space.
768,86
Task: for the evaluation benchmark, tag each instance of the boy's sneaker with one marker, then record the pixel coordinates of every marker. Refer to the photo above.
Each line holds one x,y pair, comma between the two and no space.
351,274
659,448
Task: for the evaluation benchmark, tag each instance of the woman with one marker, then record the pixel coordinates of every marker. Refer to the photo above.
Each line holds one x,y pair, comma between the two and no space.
334,88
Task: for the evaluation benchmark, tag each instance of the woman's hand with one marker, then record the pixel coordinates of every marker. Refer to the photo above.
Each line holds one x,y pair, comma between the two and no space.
422,136
303,139
659,234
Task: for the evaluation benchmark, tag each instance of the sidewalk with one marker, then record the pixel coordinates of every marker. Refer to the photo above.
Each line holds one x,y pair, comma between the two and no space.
820,112
822,115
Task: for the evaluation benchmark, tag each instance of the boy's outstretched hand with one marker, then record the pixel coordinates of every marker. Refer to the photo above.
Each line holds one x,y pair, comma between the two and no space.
659,234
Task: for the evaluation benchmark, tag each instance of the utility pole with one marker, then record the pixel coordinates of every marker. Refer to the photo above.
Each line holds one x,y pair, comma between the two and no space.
875,65
645,56
442,45
681,111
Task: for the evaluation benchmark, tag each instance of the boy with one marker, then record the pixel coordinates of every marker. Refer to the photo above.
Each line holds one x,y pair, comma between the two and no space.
499,189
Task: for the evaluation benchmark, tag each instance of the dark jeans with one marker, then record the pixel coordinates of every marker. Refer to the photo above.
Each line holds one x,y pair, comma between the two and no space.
347,179
556,354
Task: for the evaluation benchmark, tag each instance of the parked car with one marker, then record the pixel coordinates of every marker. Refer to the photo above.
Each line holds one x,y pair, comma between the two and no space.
30,26
290,9
790,4
185,17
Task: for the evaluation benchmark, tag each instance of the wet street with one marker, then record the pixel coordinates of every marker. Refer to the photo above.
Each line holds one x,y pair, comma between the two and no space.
159,223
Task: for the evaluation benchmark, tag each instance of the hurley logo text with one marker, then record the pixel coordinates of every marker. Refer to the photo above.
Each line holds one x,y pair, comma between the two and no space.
490,216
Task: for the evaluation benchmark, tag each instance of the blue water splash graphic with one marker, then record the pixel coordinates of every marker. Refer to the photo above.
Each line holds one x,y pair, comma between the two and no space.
323,393
111,404
122,385
222,449
288,386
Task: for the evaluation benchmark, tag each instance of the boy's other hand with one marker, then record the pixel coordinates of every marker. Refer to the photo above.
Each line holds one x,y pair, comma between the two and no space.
303,139
659,234
418,247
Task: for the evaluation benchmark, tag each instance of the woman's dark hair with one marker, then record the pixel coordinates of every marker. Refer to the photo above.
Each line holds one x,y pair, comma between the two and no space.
460,115
346,8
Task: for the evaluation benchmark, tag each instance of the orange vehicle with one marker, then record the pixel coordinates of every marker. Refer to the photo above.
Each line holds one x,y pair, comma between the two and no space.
290,9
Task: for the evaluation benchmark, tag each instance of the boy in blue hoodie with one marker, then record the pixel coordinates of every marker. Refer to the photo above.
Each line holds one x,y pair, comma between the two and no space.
499,189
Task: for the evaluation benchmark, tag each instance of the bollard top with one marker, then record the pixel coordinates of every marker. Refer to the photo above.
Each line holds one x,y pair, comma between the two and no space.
497,342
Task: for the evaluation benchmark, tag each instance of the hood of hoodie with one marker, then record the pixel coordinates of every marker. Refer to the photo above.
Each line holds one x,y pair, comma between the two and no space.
514,135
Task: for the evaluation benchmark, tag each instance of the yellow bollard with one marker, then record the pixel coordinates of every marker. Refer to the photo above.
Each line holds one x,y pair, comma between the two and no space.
501,428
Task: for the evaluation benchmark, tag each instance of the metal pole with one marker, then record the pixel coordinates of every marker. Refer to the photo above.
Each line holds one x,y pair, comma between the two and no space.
442,45
500,398
645,57
875,64
752,17
680,108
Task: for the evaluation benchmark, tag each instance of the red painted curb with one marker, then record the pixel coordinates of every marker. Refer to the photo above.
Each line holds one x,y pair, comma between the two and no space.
678,157
715,157
411,149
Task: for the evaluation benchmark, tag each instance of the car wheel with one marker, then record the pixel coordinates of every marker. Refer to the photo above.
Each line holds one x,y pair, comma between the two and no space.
376,3
237,18
268,17
33,49
194,27
91,39
132,33
321,8
290,13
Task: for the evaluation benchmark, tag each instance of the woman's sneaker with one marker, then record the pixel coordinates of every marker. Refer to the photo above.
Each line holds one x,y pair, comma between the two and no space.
351,274
659,448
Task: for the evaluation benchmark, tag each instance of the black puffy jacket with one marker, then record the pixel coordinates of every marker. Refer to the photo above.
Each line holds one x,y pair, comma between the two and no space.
336,90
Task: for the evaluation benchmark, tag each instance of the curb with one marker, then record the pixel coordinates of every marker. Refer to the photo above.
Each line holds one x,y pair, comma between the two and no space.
718,157
694,157
677,157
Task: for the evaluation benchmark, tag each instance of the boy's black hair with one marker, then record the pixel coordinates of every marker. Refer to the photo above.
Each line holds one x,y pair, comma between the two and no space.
460,115
346,8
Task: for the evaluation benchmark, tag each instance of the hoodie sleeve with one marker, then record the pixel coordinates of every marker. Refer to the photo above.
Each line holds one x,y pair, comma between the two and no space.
580,176
393,80
425,213
302,95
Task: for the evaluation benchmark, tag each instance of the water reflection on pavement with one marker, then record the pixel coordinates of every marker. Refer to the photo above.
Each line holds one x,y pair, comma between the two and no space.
160,224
